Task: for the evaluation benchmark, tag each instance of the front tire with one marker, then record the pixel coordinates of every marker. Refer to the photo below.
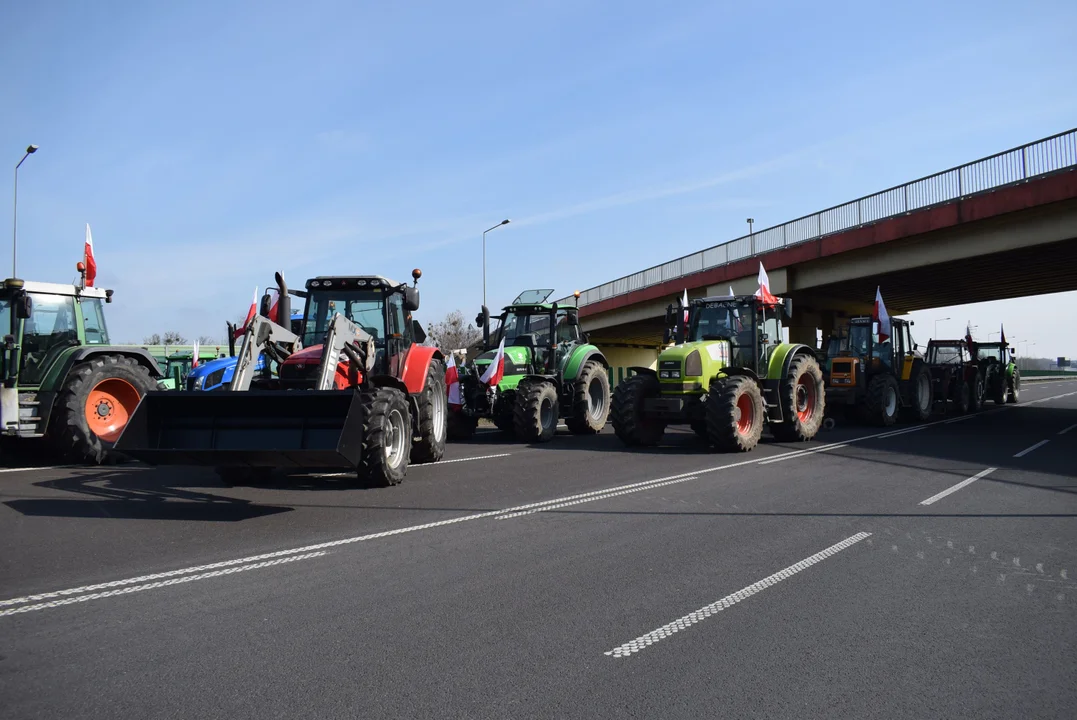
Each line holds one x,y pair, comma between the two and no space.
803,401
922,400
536,411
93,407
1014,386
881,402
429,445
386,437
590,400
976,391
630,422
735,414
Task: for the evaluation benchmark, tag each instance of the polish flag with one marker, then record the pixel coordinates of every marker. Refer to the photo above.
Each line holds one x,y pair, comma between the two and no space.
194,361
89,261
274,306
731,291
881,316
496,369
684,304
968,338
250,314
1002,332
763,293
452,382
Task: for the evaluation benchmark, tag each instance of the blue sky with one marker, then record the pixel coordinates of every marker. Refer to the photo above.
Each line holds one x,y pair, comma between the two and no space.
209,144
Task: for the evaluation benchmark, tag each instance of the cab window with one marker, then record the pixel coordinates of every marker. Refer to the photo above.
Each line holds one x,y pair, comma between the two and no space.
566,333
46,334
93,319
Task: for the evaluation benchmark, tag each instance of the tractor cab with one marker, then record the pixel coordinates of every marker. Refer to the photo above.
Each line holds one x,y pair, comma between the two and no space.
996,352
752,328
535,332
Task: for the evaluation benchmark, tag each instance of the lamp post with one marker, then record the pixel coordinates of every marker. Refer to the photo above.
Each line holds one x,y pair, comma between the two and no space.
506,221
751,235
937,326
15,212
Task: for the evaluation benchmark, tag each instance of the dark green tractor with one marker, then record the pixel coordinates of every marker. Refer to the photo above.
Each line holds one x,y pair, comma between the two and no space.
550,372
727,375
1002,379
62,380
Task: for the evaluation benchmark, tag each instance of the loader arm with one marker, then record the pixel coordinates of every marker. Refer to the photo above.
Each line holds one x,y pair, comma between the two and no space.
343,332
260,332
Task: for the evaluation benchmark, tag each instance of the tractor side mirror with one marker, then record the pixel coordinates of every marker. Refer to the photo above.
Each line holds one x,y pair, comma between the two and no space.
24,308
789,307
417,332
411,299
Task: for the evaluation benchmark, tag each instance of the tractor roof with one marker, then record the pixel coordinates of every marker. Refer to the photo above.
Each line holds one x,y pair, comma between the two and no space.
948,343
720,298
350,281
45,288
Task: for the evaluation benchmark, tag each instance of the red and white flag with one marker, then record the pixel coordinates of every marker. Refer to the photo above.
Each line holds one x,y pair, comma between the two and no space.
194,361
251,312
88,258
684,304
881,316
452,382
274,306
763,293
731,291
1002,332
968,338
496,370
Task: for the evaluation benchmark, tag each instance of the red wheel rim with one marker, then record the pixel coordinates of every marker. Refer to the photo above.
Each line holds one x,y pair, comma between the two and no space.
805,398
746,414
109,406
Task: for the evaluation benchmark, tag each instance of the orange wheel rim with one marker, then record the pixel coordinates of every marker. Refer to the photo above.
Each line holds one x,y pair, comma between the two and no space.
747,414
109,406
805,398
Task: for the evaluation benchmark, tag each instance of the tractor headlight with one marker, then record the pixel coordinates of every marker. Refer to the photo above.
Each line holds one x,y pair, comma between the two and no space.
669,374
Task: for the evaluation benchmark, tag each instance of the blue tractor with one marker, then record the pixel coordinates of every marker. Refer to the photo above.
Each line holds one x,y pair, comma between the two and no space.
217,374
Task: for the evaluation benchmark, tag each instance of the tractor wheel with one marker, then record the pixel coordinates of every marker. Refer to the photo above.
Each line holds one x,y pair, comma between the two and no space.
590,400
976,391
881,402
536,411
504,416
962,397
429,443
735,414
92,408
630,423
461,426
999,390
1014,386
386,437
802,399
922,401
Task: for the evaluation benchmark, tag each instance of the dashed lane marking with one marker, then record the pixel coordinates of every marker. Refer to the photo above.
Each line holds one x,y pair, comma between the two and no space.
1066,430
683,623
603,496
955,488
802,453
1027,450
43,467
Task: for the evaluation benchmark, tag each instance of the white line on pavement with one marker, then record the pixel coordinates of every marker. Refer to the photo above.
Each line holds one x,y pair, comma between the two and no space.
682,623
43,467
955,488
958,419
444,462
154,585
1063,432
1027,450
904,431
604,496
801,453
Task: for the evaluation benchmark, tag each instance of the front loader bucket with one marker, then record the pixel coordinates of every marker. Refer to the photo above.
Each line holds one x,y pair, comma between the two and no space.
254,428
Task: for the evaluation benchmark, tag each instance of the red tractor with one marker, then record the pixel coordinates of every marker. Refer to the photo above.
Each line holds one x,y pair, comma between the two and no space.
955,375
354,389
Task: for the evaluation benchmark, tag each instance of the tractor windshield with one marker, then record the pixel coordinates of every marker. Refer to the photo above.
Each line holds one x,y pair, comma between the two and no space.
861,338
93,320
945,354
989,352
516,325
721,321
365,308
5,316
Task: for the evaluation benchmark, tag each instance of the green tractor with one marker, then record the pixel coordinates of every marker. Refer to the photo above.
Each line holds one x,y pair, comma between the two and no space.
62,380
727,374
550,372
178,366
1002,379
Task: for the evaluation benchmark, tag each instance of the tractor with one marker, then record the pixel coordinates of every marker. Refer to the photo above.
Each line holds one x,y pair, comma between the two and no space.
727,373
62,379
877,379
956,377
550,372
355,389
217,374
1002,379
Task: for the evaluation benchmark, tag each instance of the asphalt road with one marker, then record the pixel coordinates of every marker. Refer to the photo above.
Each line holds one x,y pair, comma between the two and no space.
925,571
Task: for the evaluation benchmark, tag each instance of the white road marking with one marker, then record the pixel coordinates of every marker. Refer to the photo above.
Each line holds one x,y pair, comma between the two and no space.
1027,450
904,431
682,623
155,585
802,453
1063,432
955,488
467,459
592,499
959,419
44,467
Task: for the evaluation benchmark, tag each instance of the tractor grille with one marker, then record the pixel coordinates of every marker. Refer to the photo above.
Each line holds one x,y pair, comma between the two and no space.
298,376
843,371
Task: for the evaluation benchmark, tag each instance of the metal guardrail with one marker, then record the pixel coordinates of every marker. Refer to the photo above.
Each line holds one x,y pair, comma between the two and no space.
1009,167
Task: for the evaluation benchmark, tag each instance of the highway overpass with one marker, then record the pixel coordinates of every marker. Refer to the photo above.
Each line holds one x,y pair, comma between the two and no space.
1001,227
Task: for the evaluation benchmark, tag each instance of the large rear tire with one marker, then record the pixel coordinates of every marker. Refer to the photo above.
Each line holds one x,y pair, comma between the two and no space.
536,411
976,391
962,395
735,414
921,394
881,401
590,400
1014,386
802,396
386,437
93,407
630,423
429,444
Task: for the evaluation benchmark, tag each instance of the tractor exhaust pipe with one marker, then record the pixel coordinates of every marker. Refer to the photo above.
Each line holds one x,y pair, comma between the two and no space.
231,339
284,303
483,321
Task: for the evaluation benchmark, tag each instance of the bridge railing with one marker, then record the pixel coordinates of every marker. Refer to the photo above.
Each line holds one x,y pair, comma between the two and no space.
1009,167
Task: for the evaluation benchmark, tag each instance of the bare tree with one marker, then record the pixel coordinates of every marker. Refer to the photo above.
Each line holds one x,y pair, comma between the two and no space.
154,339
206,340
172,337
453,333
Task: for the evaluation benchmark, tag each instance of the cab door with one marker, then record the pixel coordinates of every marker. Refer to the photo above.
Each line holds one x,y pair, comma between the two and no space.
905,347
398,334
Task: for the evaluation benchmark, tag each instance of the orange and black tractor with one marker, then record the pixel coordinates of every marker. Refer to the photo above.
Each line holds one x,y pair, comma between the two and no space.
355,389
877,379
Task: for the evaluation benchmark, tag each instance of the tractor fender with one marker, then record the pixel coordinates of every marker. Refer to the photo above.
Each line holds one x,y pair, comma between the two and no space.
641,371
736,372
60,370
782,358
579,357
416,364
389,381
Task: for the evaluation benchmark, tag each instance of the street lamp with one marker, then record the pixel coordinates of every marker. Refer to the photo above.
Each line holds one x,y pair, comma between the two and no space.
751,235
937,326
15,212
506,221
